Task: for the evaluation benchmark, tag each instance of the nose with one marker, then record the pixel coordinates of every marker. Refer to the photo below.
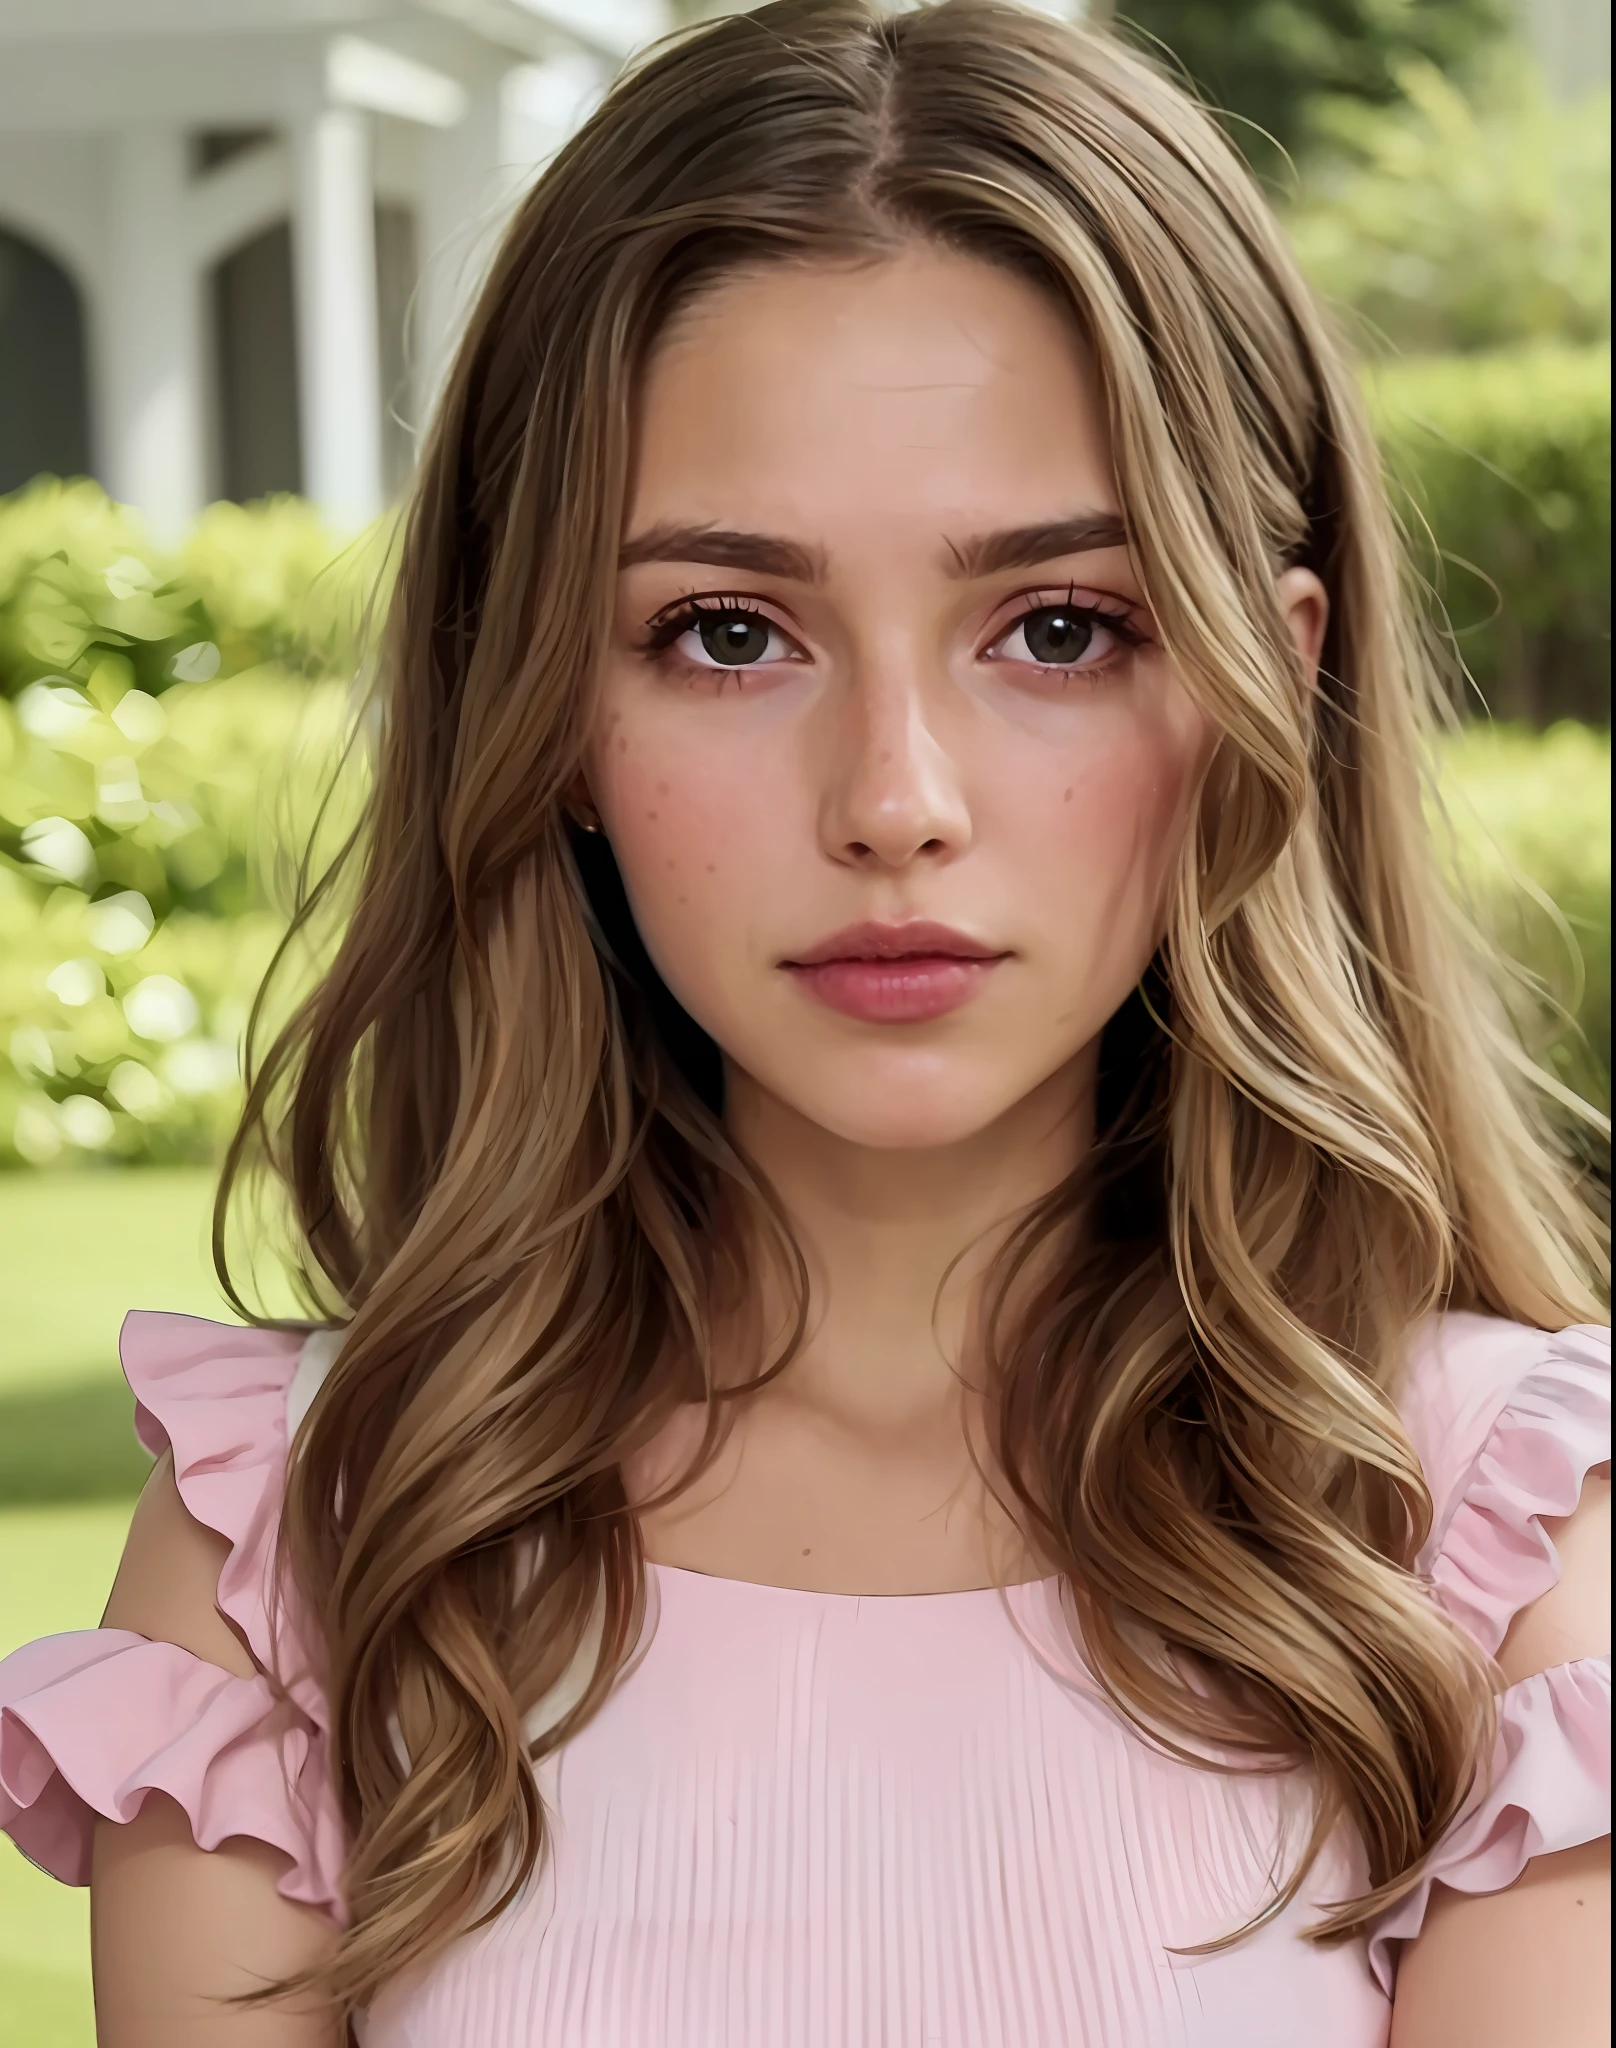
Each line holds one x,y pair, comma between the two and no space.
894,793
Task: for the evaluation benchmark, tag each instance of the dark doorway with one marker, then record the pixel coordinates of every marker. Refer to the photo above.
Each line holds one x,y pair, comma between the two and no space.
255,368
44,389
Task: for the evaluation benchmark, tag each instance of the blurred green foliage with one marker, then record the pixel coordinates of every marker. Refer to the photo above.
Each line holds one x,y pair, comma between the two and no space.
1269,65
1529,818
142,894
168,725
1504,466
1454,220
83,593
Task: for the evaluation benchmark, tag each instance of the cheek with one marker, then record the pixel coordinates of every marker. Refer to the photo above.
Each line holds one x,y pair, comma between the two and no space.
692,825
1115,807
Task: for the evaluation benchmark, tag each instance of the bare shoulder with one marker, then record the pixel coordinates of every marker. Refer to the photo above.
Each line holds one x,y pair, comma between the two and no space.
168,1579
1572,1619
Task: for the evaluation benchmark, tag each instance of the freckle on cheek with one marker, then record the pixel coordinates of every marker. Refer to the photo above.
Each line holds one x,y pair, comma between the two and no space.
622,746
711,869
662,789
1067,798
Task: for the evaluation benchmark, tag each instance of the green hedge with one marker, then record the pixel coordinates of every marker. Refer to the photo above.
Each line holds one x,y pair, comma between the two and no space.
1529,815
83,589
1504,464
146,867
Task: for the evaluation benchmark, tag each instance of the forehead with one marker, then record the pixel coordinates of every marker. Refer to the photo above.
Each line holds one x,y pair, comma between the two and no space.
927,390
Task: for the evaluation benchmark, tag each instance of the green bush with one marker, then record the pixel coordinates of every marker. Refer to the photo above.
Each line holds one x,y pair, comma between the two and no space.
144,869
1504,463
84,593
1529,817
1453,221
168,722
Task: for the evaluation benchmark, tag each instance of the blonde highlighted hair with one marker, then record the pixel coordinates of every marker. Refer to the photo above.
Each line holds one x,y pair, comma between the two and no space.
503,1153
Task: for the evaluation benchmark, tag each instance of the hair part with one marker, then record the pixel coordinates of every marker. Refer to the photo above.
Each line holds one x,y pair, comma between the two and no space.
507,1170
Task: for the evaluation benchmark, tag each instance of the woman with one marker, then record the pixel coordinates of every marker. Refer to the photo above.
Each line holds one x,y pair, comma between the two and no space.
897,1036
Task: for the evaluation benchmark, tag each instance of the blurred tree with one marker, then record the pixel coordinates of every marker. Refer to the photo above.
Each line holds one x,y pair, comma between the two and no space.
1267,63
1455,221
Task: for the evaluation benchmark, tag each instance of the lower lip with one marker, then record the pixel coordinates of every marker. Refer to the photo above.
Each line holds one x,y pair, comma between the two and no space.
908,991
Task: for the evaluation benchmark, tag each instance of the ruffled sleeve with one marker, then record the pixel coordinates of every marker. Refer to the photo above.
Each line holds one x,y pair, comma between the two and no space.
93,1721
1509,1422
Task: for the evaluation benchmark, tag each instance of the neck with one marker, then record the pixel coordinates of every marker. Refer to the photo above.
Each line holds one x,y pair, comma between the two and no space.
897,1242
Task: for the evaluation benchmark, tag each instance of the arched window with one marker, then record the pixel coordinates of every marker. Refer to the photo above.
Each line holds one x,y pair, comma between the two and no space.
44,389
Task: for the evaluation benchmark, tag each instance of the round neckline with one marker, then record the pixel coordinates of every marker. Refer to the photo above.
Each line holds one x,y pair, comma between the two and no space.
688,1573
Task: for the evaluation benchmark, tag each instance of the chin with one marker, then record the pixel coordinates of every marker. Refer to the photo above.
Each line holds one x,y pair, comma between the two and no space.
890,1113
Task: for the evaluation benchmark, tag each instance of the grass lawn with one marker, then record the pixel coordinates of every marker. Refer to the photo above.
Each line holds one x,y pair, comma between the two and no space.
56,1564
76,1251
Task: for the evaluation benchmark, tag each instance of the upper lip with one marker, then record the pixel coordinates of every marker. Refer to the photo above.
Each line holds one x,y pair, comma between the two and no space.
919,940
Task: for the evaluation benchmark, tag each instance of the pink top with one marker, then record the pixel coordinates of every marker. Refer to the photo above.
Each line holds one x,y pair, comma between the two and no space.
809,1820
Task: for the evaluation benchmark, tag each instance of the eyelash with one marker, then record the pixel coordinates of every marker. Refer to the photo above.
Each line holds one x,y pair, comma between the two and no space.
667,627
1118,622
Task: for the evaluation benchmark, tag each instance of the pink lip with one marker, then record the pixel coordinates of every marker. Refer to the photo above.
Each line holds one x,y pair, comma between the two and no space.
895,973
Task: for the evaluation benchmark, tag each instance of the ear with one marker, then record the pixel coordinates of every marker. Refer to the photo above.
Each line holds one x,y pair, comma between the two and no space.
580,805
1306,605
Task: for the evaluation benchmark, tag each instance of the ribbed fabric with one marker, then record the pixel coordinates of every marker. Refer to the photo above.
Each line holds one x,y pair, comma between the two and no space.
807,1820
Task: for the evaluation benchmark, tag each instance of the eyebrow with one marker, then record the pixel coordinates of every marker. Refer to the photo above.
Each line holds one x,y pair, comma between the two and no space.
1023,547
985,554
721,546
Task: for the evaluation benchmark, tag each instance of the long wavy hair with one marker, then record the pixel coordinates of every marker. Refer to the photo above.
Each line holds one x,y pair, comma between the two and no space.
501,1139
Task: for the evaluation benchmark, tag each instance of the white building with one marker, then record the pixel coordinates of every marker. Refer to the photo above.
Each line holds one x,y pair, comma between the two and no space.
237,237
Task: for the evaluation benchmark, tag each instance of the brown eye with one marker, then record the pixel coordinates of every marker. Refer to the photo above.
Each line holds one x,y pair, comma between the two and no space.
1057,634
725,636
733,639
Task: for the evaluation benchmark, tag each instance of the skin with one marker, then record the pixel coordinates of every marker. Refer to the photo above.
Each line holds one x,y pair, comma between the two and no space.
895,757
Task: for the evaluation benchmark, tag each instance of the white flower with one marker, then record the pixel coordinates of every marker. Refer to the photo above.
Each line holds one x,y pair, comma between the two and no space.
85,1122
61,849
198,663
53,709
119,798
128,576
137,1089
160,1008
121,923
139,718
31,1051
76,982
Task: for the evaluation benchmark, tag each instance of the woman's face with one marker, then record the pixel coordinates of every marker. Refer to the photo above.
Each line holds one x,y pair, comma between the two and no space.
892,762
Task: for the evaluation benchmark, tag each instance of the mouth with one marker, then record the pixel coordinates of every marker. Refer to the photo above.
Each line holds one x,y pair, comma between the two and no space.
895,973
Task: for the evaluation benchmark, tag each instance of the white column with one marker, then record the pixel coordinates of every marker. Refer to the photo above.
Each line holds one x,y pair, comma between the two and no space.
475,175
339,369
463,206
153,433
